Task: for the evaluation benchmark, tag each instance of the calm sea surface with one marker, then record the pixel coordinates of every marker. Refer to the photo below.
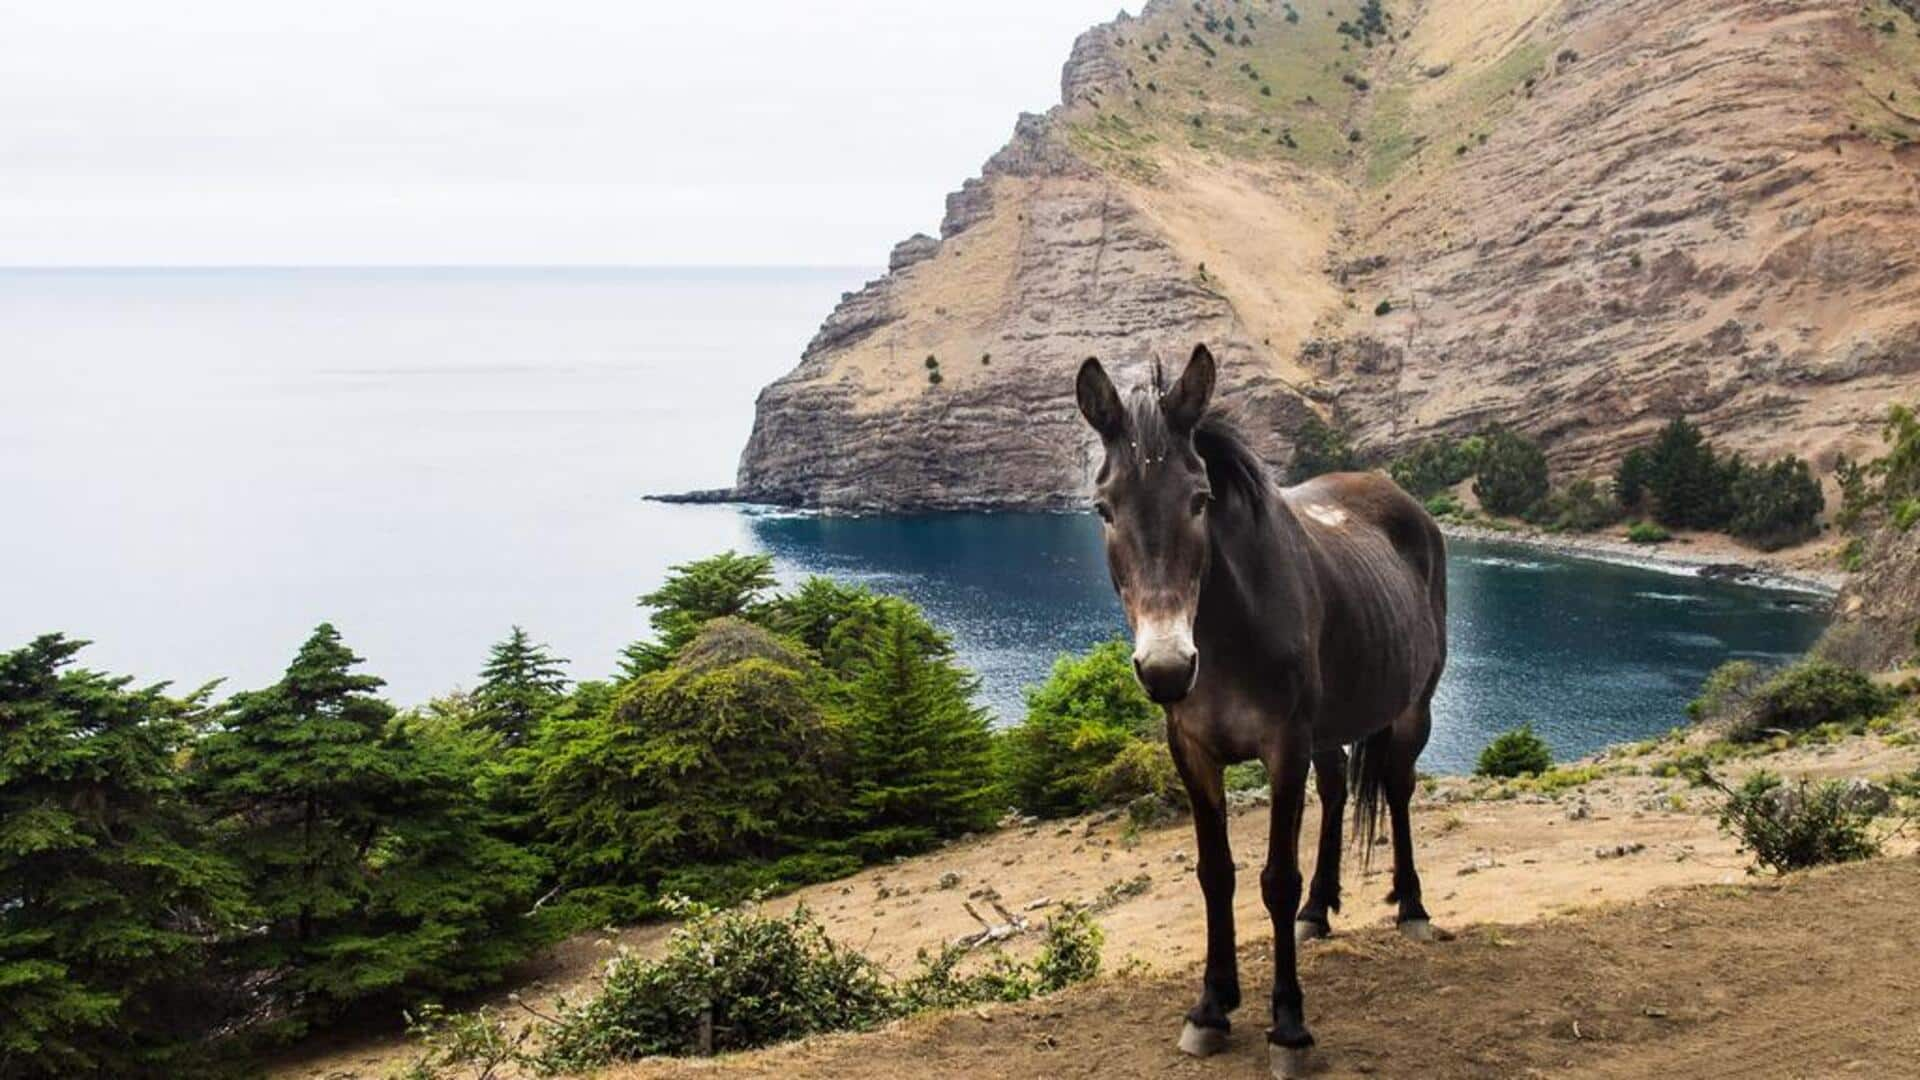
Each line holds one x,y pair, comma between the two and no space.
197,466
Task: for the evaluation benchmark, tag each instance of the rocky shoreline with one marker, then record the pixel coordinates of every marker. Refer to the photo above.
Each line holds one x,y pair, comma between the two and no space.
1757,570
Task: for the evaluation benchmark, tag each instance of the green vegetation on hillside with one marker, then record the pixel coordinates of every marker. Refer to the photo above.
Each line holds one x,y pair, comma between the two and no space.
1683,482
190,881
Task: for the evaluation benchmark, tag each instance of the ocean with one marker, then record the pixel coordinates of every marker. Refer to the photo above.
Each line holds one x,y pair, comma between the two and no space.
197,466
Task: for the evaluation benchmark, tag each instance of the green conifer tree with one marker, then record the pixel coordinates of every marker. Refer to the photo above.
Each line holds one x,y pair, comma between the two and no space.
520,683
922,751
722,757
366,852
694,593
108,888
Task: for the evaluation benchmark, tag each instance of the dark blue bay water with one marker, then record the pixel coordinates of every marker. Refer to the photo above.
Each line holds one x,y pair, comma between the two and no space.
198,466
1590,653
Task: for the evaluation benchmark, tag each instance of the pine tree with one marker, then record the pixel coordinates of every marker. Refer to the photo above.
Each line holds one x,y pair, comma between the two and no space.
520,683
1089,711
726,584
922,750
109,886
719,758
365,851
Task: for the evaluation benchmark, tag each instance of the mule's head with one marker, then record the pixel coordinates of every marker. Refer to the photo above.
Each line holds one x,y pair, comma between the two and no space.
1152,495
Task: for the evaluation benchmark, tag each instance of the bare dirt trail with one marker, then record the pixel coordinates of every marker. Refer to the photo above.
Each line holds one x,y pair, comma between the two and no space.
1813,976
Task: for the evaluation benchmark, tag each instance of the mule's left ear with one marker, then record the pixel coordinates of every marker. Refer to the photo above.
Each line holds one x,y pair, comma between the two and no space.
1099,401
1187,401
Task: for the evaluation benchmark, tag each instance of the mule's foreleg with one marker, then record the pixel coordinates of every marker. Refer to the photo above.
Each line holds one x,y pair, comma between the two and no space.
1280,888
1323,895
1207,1023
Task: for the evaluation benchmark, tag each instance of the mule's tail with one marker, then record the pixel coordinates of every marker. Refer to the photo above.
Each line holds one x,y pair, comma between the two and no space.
1366,783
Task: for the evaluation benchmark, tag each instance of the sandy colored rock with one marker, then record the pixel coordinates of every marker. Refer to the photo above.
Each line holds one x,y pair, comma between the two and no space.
1579,219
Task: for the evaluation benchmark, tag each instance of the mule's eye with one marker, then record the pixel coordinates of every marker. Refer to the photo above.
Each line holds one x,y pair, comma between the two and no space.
1105,512
1199,503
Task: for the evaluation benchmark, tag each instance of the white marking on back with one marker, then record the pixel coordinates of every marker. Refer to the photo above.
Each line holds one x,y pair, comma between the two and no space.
1331,516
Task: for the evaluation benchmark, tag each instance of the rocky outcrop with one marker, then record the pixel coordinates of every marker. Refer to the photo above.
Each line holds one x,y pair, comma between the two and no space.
1876,619
1574,218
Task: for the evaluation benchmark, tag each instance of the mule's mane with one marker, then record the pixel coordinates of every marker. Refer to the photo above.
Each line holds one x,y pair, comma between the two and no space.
1234,469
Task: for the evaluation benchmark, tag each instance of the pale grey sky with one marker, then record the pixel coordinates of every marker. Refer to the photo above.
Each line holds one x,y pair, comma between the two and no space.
213,132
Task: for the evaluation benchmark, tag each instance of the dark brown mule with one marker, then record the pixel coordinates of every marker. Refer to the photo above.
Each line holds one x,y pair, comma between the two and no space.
1277,624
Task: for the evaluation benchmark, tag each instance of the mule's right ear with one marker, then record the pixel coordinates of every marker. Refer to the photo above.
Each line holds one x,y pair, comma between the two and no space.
1099,401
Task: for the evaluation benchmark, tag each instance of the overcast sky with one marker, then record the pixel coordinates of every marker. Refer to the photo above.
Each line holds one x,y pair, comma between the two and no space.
212,132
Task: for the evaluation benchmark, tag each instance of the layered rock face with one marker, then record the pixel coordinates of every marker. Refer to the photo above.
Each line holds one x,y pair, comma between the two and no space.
1577,218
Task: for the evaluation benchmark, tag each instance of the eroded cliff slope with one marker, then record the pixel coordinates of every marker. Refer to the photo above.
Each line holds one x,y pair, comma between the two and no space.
1580,218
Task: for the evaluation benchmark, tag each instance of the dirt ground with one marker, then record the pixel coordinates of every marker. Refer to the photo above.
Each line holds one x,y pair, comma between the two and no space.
1539,862
1814,976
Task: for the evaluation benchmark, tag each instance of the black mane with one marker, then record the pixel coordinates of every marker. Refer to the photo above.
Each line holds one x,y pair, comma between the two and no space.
1234,469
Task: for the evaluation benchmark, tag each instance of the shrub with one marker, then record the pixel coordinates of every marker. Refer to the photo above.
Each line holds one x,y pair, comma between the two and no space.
1512,476
1143,769
1794,828
1811,693
1089,711
1687,485
933,362
1647,532
934,378
1905,513
1777,505
1579,507
1435,465
1446,505
1320,448
728,980
1727,694
738,979
1519,752
1384,307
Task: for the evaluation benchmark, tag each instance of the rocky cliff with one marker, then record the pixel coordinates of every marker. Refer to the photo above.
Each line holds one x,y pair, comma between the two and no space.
1576,217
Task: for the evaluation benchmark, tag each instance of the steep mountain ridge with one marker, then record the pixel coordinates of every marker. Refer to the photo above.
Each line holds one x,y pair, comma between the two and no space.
1575,217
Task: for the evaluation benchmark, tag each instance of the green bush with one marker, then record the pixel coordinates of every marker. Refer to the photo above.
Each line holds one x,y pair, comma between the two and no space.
1777,505
1727,694
1905,513
1680,478
1143,769
1794,828
1447,505
1089,711
1384,307
728,980
1519,752
1811,693
739,979
1579,507
1512,476
1320,448
1648,532
1435,465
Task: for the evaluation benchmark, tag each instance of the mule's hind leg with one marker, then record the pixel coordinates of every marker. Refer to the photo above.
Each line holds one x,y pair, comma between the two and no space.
1323,895
1206,1029
1403,750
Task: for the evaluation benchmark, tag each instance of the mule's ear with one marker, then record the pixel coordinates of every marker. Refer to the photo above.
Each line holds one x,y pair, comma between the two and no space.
1099,401
1187,401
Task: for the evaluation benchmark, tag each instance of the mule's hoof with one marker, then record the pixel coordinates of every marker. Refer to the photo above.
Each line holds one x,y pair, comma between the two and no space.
1202,1042
1418,930
1305,930
1289,1062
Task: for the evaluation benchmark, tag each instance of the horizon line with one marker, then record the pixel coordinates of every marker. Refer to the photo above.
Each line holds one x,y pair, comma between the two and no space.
4,267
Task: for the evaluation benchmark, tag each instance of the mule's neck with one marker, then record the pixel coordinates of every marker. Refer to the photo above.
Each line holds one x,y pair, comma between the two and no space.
1259,594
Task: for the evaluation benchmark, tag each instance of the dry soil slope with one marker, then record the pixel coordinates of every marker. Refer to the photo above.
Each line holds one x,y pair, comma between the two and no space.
1751,982
1585,217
